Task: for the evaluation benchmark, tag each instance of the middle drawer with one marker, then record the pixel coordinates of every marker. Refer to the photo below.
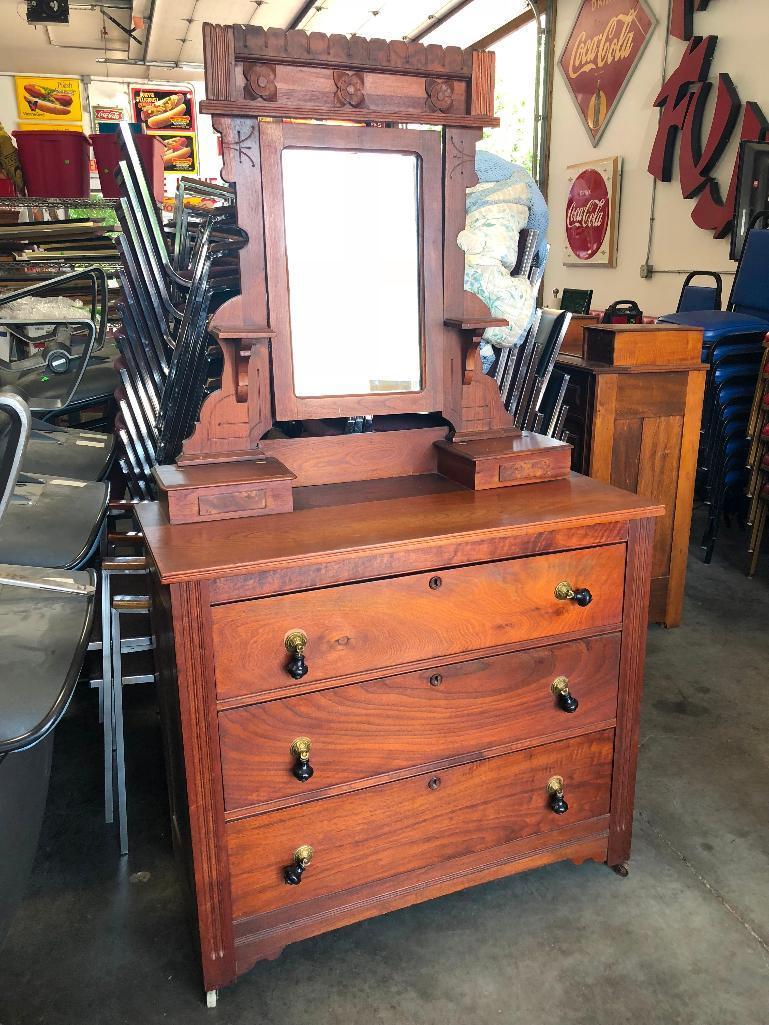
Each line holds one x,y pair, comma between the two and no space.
368,729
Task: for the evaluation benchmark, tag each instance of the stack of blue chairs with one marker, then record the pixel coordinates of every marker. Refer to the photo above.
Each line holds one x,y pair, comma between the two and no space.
732,348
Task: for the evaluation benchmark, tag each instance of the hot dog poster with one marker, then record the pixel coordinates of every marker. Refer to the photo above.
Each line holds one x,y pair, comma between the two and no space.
44,98
180,153
163,110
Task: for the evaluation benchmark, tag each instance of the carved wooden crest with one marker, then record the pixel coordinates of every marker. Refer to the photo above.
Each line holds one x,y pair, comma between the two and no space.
349,89
440,94
260,82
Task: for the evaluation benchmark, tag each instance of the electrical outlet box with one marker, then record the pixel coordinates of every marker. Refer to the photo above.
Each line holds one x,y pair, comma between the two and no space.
647,270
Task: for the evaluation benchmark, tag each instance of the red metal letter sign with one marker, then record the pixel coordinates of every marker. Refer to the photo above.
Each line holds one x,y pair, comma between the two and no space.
682,100
710,212
682,17
675,99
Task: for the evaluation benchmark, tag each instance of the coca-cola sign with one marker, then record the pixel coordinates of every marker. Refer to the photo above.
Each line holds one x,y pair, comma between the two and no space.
601,53
591,213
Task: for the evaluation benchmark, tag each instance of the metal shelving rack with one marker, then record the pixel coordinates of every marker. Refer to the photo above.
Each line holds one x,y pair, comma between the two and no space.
39,269
30,202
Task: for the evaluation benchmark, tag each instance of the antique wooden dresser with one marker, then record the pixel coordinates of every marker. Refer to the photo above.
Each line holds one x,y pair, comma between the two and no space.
391,664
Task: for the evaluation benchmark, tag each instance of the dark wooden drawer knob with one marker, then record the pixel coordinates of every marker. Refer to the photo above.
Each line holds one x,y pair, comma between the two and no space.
302,857
300,749
564,697
296,642
555,793
580,596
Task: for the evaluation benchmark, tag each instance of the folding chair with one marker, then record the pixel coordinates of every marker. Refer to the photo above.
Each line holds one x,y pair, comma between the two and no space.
45,620
44,521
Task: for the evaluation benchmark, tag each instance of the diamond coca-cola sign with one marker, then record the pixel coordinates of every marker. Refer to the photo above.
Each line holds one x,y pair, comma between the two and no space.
591,213
601,53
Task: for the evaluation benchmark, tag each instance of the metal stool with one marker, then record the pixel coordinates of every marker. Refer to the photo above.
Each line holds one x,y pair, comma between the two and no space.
122,605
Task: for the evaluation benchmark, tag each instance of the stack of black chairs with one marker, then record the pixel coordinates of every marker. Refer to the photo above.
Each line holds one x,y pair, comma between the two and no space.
532,389
173,278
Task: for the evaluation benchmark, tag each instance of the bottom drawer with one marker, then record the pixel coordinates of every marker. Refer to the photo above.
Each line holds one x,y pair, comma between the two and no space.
409,824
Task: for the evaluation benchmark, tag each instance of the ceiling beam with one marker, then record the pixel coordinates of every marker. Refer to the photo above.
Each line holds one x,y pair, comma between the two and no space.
435,22
504,30
297,20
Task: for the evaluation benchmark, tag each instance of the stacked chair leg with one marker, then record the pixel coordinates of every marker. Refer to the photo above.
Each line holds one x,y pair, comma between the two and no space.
729,395
758,465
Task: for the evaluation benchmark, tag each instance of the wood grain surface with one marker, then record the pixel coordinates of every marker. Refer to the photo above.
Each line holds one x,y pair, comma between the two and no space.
386,624
375,833
368,729
396,530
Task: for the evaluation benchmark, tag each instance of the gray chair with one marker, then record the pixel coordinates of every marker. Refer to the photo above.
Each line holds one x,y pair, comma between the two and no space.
45,622
45,521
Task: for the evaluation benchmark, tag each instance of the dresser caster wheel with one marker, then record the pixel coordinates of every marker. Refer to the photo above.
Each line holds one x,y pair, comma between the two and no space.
621,870
211,997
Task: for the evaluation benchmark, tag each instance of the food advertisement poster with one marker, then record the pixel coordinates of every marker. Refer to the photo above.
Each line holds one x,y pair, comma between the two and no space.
180,153
606,43
41,126
47,98
163,109
592,212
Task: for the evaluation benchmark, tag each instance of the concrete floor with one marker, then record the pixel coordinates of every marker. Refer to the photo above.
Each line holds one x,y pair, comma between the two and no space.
683,941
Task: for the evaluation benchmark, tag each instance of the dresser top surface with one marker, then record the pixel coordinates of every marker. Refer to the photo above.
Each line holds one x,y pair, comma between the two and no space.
371,515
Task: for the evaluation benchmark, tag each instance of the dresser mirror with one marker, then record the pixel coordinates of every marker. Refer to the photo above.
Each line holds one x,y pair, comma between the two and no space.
354,279
354,283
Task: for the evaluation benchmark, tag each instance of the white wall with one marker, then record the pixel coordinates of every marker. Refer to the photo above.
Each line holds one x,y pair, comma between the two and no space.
743,30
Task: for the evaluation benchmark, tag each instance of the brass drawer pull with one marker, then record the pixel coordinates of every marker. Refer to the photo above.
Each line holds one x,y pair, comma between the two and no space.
555,791
300,749
580,595
296,642
566,700
302,857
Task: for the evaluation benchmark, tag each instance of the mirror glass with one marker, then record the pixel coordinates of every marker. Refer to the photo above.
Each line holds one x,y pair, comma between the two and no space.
352,248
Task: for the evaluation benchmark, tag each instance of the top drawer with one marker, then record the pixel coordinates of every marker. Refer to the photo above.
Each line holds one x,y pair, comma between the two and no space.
366,628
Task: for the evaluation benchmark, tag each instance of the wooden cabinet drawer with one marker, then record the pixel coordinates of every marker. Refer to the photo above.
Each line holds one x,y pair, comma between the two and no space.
424,820
380,625
366,729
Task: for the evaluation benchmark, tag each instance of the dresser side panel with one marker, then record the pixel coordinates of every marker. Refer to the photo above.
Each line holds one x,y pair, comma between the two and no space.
631,674
202,766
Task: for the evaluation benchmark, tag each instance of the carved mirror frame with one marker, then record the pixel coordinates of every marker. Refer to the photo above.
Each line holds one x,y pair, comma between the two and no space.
275,138
259,83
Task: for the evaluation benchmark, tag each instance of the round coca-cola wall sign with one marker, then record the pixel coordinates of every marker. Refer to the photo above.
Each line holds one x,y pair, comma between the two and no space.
587,214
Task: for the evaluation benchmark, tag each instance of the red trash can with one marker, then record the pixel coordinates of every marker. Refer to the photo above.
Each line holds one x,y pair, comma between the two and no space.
54,163
106,150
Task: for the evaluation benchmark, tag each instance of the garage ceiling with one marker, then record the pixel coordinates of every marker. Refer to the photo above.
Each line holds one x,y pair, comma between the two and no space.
168,32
